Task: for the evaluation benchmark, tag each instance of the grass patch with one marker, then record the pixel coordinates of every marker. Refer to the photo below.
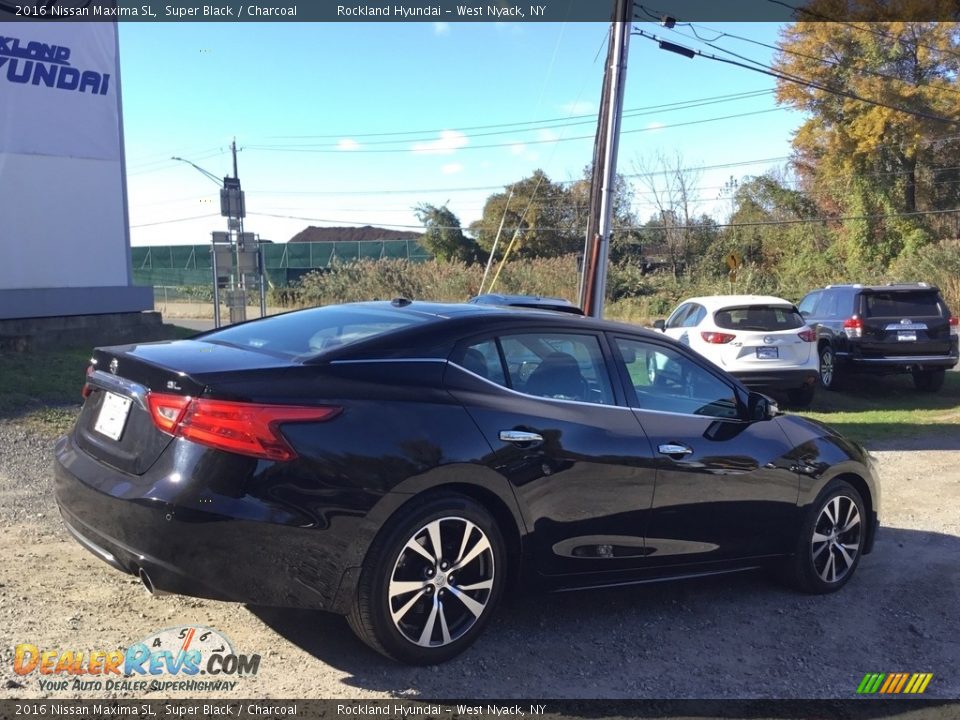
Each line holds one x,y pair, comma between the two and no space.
876,408
43,388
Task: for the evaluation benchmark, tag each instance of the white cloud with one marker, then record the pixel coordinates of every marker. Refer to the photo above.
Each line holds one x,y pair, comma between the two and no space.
451,169
347,144
655,126
546,135
517,148
448,143
577,107
441,28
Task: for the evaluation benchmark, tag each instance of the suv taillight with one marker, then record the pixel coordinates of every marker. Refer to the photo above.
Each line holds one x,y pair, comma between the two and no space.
87,388
853,327
717,338
245,428
808,335
955,326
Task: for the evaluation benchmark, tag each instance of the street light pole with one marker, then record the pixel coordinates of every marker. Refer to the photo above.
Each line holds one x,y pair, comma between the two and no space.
232,206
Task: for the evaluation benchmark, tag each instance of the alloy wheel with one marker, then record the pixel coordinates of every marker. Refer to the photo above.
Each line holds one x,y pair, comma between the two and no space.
836,539
826,368
441,582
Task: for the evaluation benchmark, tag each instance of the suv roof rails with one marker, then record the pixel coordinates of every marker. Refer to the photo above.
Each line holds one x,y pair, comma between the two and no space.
853,285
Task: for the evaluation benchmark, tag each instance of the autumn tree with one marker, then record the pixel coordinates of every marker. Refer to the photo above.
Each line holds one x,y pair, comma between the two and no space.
890,157
443,235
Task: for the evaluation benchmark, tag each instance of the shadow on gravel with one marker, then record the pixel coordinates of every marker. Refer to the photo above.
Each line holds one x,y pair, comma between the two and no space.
739,636
884,436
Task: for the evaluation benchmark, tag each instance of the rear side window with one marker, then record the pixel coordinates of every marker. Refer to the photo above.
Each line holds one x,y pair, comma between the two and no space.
314,331
924,303
765,318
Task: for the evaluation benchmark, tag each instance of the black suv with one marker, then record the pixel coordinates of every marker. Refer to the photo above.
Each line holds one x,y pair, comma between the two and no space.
882,329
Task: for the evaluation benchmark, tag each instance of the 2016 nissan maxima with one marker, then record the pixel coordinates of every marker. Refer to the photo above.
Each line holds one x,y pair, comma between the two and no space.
407,463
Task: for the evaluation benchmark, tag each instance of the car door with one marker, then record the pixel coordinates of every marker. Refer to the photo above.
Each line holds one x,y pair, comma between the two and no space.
725,487
561,433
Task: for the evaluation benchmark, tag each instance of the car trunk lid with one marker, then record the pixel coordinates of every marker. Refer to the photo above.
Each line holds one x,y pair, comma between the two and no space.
115,424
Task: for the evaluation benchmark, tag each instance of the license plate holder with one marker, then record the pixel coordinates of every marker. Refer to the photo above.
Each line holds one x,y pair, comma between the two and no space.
112,418
906,336
768,353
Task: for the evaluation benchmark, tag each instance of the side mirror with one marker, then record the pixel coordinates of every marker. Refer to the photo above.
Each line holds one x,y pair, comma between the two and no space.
760,407
659,324
804,314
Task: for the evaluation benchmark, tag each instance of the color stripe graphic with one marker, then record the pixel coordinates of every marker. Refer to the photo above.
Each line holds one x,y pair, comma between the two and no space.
894,683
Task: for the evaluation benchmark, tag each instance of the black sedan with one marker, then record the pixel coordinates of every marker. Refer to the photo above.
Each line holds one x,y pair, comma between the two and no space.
405,464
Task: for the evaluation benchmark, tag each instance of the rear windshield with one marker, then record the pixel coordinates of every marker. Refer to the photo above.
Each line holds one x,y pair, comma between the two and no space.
310,332
922,303
759,317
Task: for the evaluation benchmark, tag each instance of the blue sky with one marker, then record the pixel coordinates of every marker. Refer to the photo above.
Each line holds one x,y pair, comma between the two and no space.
309,104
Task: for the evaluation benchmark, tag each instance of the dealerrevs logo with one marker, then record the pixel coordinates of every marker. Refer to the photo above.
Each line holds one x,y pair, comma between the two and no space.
197,658
43,65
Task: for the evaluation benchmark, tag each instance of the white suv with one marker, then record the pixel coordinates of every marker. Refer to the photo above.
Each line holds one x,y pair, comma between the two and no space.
760,339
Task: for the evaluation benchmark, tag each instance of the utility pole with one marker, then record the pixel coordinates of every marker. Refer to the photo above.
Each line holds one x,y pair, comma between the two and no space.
593,286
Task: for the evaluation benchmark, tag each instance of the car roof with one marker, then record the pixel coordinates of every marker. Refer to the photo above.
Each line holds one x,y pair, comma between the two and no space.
464,312
898,287
716,302
529,301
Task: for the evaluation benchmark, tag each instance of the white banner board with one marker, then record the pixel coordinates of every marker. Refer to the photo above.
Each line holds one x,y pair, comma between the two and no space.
63,216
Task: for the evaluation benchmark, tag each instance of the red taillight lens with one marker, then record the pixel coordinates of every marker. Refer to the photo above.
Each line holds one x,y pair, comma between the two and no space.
87,389
167,410
853,327
245,428
807,335
954,326
717,338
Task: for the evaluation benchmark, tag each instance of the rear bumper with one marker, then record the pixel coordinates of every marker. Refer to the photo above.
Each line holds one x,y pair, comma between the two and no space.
193,541
776,379
905,362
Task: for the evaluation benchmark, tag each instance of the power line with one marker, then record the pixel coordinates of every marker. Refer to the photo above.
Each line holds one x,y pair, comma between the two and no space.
175,220
584,116
878,33
264,148
825,61
801,81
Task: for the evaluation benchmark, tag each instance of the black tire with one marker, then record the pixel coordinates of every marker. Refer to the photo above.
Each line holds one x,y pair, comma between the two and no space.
928,380
391,559
829,376
801,396
809,570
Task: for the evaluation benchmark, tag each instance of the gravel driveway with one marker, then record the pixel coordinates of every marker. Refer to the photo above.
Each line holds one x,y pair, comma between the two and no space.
740,636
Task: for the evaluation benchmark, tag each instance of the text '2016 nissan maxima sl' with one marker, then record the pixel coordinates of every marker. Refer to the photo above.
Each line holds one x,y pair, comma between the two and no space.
406,464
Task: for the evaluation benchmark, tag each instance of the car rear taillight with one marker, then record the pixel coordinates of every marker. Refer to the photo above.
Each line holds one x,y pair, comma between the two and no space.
87,388
717,338
807,335
853,327
955,326
246,428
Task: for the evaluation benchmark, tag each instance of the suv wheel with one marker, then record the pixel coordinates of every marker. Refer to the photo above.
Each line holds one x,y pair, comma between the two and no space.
430,581
828,369
928,380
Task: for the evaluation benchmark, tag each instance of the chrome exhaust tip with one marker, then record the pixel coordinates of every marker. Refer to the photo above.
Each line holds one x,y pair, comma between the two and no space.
148,583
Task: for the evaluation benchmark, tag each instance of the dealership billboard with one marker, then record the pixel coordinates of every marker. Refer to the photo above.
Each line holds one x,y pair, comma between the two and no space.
64,232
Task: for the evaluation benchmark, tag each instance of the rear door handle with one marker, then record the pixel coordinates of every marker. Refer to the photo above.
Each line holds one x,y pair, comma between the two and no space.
520,437
674,449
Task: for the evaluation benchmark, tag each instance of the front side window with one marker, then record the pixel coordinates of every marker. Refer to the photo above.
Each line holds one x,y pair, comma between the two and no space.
693,318
559,366
677,317
809,303
667,381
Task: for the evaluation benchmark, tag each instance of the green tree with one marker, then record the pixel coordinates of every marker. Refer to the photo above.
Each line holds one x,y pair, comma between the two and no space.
858,158
443,235
535,212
